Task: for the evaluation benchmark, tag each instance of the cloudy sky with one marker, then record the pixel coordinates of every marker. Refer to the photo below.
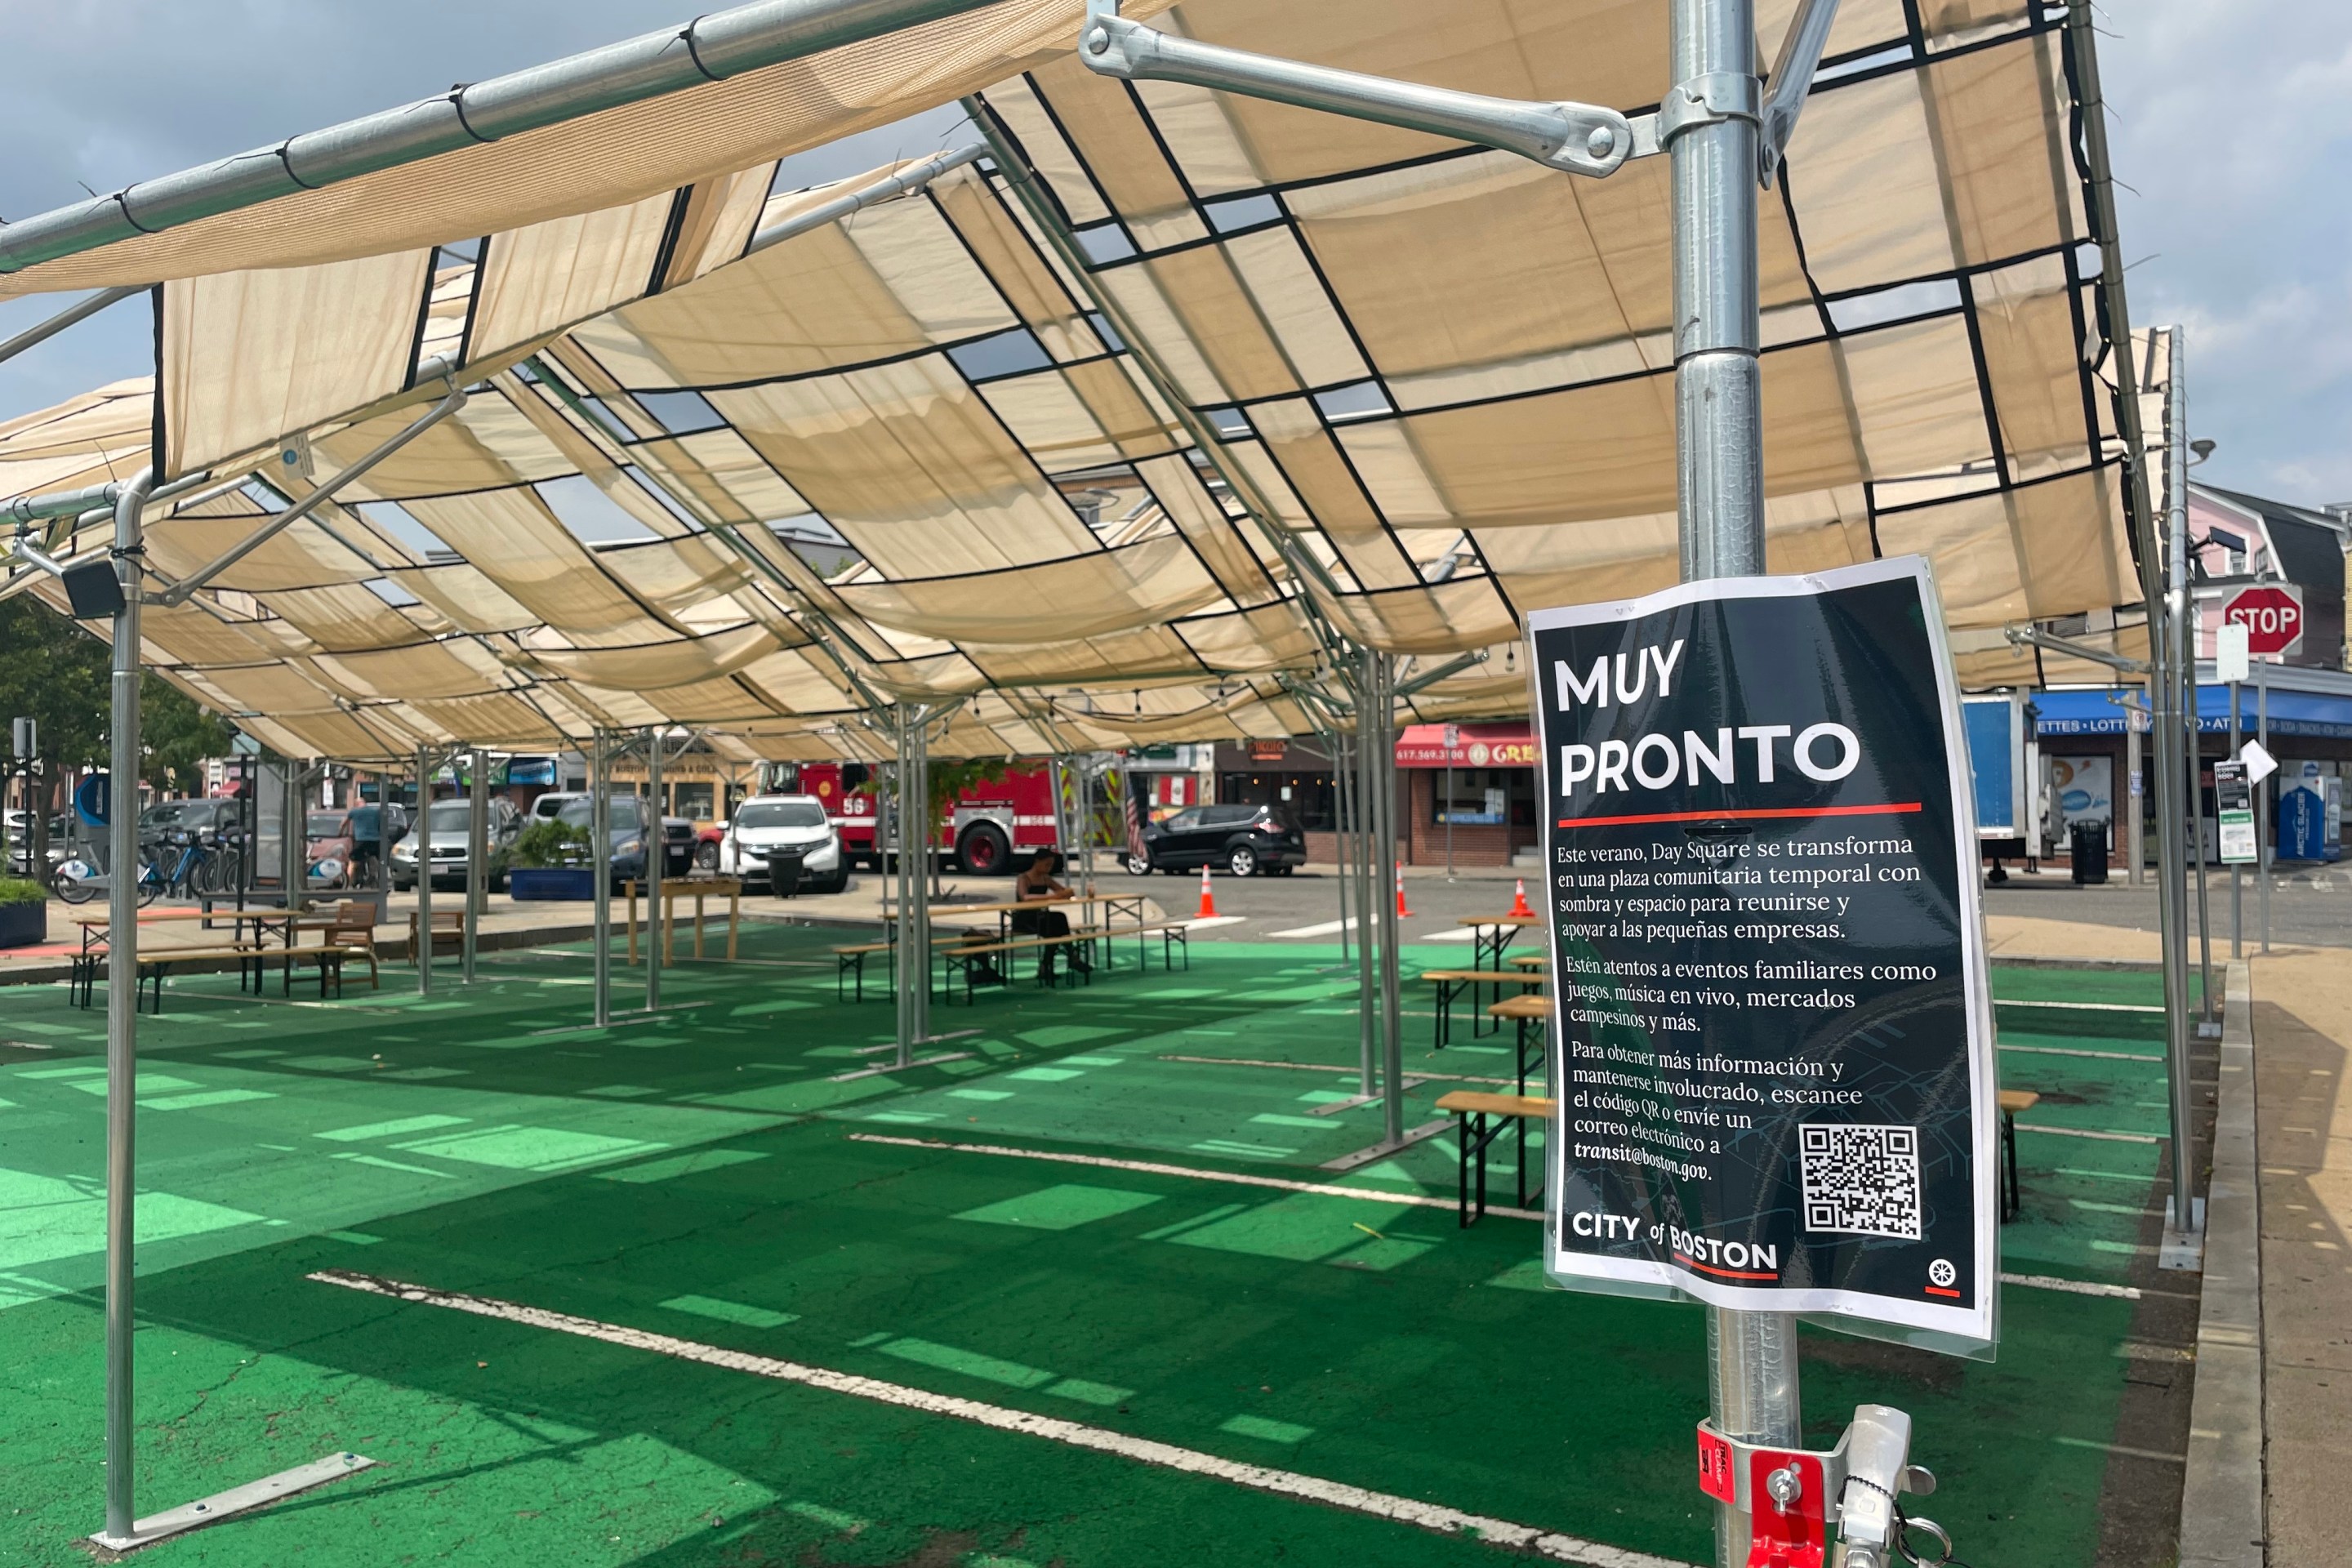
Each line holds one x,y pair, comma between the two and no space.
2229,128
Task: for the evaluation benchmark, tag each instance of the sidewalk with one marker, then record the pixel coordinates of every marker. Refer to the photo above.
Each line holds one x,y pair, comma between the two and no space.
2303,1027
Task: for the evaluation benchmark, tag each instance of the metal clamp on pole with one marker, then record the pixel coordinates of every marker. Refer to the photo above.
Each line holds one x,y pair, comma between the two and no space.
1578,138
1797,1496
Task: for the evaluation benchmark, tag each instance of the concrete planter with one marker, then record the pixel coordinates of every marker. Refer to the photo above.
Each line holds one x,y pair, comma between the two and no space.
552,884
22,925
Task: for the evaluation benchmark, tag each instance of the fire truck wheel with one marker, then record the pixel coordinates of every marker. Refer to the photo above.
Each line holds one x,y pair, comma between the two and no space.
983,851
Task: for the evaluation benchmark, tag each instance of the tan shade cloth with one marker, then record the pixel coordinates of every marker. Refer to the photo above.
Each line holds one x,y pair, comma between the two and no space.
601,160
928,454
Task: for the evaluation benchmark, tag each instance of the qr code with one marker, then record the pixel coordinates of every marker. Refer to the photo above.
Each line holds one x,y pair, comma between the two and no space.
1861,1180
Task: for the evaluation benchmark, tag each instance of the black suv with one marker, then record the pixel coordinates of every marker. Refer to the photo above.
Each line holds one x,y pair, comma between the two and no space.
1244,839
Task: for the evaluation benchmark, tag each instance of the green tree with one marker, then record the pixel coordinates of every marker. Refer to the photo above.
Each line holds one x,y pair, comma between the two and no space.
178,736
58,675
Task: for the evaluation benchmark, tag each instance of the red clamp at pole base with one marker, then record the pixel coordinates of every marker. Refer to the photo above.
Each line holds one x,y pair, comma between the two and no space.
1789,1525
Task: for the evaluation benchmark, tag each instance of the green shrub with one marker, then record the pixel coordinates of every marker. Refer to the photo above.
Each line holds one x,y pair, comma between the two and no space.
21,890
550,842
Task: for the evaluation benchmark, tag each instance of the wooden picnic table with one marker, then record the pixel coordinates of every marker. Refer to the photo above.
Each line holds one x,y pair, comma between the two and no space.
1490,934
674,889
265,923
1112,905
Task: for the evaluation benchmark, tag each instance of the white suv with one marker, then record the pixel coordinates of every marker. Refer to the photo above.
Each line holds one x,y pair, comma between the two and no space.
771,822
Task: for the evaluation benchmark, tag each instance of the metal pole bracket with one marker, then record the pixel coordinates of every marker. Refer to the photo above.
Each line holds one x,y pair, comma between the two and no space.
1576,138
1796,1496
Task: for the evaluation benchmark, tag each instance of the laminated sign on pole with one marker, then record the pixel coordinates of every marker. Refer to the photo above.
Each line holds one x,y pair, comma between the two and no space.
1777,1038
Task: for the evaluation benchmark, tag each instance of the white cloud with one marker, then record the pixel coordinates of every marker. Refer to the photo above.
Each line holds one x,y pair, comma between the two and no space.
2231,130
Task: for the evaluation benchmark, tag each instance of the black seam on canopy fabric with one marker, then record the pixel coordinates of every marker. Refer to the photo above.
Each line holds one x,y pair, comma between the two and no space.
424,318
1984,389
156,446
673,225
473,300
1086,165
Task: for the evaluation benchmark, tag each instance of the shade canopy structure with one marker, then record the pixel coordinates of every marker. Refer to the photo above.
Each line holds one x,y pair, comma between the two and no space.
1130,430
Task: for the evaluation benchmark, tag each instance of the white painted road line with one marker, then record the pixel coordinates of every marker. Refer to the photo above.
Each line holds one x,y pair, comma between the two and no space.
1153,1167
2073,1286
2087,1133
1326,928
1214,920
1431,1516
1420,1075
2063,1051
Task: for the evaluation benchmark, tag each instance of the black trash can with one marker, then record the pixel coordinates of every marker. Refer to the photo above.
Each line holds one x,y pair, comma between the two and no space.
2087,845
785,870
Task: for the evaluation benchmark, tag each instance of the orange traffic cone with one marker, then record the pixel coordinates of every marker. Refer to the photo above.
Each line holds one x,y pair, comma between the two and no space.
1208,902
1402,913
1519,899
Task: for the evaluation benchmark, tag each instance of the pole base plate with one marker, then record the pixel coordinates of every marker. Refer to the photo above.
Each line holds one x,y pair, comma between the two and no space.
224,1505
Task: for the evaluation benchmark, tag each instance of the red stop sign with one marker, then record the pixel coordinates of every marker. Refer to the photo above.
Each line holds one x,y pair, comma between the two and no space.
2273,618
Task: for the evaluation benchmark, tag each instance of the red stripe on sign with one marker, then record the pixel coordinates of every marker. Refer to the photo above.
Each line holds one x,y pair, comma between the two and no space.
1752,814
1938,1290
1724,1273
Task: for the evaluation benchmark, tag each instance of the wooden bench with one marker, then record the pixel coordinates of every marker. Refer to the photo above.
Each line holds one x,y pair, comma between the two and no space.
1173,936
1452,983
966,957
448,935
251,958
850,959
2012,1195
1531,1014
1483,1117
1531,961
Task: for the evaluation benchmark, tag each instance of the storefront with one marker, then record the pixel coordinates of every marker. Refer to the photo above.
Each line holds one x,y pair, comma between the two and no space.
1470,788
1294,775
2084,758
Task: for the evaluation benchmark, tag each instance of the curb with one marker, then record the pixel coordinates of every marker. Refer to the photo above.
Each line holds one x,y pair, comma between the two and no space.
2221,1520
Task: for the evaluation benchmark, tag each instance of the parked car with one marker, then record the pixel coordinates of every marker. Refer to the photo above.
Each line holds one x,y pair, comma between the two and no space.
202,815
549,807
343,845
1246,840
770,822
447,830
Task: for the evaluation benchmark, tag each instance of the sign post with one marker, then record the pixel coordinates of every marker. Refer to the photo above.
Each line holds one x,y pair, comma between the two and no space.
2232,642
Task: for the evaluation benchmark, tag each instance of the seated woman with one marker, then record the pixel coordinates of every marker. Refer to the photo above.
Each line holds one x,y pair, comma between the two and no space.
1035,885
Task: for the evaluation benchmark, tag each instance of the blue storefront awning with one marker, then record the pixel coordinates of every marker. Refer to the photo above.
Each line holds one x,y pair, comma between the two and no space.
2100,712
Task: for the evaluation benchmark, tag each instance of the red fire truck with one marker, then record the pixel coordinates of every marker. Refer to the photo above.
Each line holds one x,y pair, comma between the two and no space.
986,828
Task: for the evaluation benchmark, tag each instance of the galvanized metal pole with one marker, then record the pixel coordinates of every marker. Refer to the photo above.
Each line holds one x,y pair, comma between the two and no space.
123,999
1341,851
600,862
918,908
1384,848
1367,930
424,953
1719,450
893,846
2237,873
477,854
2265,820
2135,785
657,863
2176,733
907,884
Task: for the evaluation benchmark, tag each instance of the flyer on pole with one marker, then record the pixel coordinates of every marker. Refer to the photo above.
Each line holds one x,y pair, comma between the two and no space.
1775,1076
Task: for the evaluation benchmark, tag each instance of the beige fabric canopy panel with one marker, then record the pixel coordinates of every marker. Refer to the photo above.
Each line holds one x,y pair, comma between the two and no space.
1241,387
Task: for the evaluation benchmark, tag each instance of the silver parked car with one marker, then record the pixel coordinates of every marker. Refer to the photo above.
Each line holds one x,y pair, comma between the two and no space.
447,828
